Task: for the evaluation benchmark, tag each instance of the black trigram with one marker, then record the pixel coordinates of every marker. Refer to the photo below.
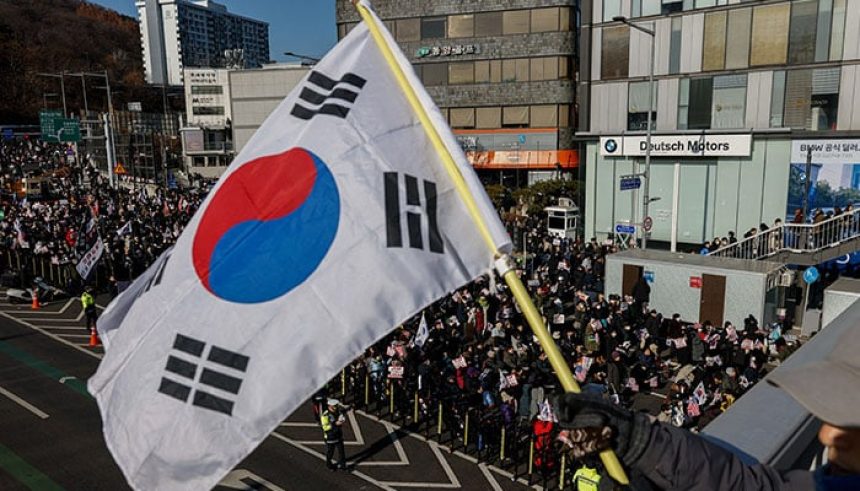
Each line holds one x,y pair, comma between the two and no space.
414,212
321,90
188,372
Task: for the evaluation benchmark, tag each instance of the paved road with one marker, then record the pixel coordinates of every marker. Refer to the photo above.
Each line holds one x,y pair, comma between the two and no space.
50,429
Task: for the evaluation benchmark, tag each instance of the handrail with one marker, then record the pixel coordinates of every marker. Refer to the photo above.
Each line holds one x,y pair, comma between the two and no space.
795,237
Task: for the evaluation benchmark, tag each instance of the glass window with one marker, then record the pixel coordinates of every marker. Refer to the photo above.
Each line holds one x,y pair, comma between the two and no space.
675,46
798,98
730,96
825,98
777,99
670,6
564,67
714,49
462,117
495,71
564,116
545,20
564,19
515,22
643,8
701,4
434,74
738,38
837,36
489,117
801,38
488,24
683,103
409,30
515,117
461,26
769,44
637,106
433,27
701,102
482,72
522,70
825,24
611,8
461,73
536,72
545,116
509,71
550,68
615,52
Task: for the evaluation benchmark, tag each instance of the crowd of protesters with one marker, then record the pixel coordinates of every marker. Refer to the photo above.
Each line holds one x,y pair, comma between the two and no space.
135,223
479,353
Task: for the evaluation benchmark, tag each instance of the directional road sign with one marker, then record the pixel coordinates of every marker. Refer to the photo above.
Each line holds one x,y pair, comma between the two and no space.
622,228
56,128
628,183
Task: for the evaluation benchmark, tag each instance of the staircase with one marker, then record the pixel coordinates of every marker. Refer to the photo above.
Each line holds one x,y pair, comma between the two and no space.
800,244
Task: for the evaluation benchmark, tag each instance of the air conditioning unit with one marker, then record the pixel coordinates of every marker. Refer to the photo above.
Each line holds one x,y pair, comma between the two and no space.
786,278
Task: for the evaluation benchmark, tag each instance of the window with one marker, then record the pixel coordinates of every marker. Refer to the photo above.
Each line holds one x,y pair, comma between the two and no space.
611,8
837,36
769,44
545,116
675,46
509,71
495,71
670,6
433,28
207,110
434,74
695,97
207,89
738,38
522,65
825,25
545,20
801,37
644,8
563,115
482,72
730,95
408,30
615,52
462,117
489,117
461,73
461,26
714,50
515,117
811,98
637,106
488,24
515,22
564,19
777,99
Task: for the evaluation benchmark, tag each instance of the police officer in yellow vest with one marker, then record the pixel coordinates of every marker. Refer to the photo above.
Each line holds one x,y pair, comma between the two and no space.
331,420
586,479
88,304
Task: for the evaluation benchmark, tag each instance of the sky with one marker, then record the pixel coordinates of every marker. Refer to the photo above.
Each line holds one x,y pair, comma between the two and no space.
305,27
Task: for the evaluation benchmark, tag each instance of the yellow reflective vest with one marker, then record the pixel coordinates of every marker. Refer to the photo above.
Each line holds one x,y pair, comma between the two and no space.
87,300
586,479
325,422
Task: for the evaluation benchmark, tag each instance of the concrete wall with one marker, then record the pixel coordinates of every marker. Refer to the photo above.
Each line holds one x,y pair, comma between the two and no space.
838,297
671,291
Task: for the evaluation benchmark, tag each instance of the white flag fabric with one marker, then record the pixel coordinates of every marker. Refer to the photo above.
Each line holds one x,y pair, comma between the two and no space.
423,332
334,224
124,230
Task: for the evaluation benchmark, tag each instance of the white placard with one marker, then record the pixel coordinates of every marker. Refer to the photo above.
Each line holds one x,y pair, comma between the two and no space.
677,146
826,151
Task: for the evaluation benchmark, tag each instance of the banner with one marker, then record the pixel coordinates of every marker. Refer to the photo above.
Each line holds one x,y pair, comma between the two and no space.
92,246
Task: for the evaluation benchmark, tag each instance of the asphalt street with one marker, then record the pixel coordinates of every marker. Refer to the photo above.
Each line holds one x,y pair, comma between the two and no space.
51,438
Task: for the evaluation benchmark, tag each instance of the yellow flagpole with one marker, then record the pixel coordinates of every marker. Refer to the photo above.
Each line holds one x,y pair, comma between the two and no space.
503,264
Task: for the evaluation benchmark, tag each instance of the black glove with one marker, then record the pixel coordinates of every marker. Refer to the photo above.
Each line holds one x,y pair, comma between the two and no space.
596,424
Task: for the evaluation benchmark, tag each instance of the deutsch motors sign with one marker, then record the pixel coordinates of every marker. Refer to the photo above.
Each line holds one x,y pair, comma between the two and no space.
677,146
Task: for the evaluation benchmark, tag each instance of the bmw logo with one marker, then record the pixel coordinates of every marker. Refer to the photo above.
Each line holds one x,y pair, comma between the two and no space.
610,146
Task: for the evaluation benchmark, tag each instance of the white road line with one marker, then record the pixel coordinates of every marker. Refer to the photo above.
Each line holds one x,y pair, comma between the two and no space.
355,428
490,479
54,336
299,425
360,475
62,311
26,405
397,445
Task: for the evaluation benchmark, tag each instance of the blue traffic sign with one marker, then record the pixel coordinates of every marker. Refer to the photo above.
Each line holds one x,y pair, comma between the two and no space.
630,183
811,275
624,229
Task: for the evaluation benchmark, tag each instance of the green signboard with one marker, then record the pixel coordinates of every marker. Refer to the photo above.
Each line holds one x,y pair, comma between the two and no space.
56,128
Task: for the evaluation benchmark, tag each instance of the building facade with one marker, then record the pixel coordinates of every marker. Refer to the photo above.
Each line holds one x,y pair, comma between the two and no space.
502,72
745,92
207,141
178,34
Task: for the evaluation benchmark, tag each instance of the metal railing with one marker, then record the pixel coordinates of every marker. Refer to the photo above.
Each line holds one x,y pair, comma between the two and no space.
796,238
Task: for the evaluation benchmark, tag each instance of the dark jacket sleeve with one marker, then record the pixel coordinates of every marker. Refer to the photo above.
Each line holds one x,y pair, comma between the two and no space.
676,459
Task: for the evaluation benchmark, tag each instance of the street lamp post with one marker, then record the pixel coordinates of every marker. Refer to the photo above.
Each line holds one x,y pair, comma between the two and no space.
646,198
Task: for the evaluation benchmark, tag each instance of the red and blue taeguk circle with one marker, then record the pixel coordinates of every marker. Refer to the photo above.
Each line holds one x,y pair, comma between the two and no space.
267,228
